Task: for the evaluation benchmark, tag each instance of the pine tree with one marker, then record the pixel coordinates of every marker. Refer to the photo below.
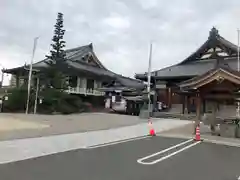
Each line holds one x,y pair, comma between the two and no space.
57,52
55,78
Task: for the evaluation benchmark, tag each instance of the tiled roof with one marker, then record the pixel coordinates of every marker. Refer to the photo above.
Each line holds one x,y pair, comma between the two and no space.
187,70
74,54
192,65
75,60
210,73
126,81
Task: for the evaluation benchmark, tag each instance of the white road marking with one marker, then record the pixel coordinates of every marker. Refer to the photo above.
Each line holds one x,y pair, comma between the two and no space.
165,150
116,142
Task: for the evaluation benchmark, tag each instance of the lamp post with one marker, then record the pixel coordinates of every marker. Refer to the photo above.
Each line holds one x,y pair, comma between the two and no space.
149,79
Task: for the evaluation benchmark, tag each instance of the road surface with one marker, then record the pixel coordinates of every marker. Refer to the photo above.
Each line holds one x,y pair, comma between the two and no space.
163,158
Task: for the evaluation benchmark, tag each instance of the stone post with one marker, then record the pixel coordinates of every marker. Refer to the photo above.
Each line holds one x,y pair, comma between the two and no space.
213,117
198,112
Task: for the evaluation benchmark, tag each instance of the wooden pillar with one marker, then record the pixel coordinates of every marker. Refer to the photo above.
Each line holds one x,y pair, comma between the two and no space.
186,110
166,97
17,81
204,105
183,103
169,97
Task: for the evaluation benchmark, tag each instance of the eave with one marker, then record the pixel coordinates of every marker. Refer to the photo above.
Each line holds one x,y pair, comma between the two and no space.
210,76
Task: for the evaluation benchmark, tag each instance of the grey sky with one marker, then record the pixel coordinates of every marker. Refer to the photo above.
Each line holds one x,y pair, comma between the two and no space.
120,30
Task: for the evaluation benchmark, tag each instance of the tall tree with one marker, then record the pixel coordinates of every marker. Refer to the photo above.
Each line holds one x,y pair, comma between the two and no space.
57,52
55,77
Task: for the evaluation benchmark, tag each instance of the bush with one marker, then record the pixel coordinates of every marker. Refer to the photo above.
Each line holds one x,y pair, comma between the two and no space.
17,99
53,101
56,101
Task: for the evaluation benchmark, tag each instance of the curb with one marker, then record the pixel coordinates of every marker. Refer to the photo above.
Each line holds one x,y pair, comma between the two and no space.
221,142
202,138
117,142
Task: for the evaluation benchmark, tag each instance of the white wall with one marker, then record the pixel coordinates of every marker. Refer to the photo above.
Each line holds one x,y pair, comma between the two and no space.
82,83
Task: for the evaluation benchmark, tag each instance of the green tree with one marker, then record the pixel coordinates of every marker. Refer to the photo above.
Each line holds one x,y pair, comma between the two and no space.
54,75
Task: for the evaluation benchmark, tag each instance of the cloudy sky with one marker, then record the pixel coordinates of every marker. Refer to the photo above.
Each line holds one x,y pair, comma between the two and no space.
120,30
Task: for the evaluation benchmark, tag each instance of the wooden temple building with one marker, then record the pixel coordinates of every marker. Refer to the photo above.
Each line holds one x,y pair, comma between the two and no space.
206,81
85,73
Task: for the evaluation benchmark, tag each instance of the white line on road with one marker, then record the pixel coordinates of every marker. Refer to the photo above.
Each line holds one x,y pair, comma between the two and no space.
165,150
116,142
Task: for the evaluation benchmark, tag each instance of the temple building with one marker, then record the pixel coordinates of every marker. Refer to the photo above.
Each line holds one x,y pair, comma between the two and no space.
208,80
86,75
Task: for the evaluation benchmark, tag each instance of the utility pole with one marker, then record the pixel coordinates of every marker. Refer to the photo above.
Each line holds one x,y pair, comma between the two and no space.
238,104
36,96
149,79
30,73
2,78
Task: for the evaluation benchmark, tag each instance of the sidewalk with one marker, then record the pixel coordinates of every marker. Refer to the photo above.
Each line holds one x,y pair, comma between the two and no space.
187,132
21,149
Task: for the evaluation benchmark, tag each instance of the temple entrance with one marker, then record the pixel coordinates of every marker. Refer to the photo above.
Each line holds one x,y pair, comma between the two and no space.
215,95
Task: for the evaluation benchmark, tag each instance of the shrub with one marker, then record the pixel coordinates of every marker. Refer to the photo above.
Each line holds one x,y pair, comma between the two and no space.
53,101
60,102
17,99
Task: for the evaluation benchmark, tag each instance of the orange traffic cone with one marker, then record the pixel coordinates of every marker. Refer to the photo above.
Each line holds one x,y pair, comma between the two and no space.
151,131
197,136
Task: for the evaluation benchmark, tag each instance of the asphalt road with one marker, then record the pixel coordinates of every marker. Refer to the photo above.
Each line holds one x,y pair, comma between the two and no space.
203,161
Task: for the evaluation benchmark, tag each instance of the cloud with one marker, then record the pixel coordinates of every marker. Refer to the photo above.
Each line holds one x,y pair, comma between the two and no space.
117,21
120,30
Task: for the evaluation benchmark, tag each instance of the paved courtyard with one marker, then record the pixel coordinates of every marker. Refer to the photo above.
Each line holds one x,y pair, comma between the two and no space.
109,146
172,159
13,126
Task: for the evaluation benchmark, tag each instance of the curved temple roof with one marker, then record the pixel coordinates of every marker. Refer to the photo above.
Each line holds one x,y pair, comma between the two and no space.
196,64
77,61
210,76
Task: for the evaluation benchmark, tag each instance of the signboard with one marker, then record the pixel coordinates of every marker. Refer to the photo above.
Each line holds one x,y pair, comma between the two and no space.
113,98
118,91
161,86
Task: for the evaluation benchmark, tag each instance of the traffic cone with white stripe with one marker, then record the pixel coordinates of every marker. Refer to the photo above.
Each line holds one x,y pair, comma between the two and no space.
151,129
197,136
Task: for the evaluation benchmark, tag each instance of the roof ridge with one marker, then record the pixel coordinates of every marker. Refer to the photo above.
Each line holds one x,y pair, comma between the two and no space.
227,41
213,36
125,76
79,47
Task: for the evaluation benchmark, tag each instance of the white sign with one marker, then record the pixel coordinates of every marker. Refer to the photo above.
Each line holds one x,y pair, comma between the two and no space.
107,103
118,91
1,101
160,86
113,98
